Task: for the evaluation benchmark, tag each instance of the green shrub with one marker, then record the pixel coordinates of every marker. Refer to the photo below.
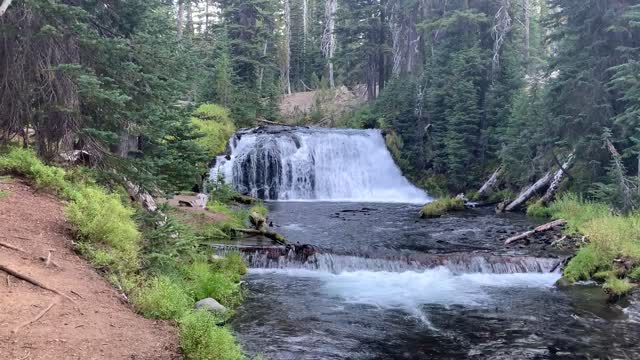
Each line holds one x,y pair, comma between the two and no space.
3,194
216,127
584,264
101,220
232,264
162,298
202,339
539,211
24,162
617,287
204,281
441,206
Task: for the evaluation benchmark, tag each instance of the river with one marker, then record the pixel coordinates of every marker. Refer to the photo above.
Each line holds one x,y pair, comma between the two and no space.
350,306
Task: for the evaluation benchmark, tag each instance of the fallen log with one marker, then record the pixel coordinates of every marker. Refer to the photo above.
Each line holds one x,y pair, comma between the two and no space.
557,179
539,229
33,281
268,234
257,220
141,196
529,192
490,184
268,122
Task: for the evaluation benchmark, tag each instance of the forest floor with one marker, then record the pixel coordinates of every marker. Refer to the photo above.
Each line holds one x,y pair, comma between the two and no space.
99,325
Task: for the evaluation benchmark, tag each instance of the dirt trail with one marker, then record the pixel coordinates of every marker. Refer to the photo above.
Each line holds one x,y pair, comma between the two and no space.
99,326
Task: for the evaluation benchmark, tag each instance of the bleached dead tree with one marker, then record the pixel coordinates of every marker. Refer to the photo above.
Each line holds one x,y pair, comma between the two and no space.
180,18
499,31
287,46
328,43
527,27
4,6
404,35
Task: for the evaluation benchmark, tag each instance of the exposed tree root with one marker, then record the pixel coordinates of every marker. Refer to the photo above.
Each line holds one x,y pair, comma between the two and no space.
41,314
34,282
9,246
539,229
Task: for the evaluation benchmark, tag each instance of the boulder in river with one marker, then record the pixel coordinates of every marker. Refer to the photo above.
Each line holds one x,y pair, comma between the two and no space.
210,304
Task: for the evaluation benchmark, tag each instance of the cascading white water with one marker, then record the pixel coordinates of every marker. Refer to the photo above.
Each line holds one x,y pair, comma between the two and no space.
315,164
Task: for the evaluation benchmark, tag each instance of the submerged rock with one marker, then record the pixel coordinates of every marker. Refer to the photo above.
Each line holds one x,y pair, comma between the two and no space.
210,304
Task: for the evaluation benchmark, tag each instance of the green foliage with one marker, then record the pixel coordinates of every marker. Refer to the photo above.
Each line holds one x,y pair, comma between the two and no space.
202,339
214,123
539,211
102,222
583,265
577,211
24,162
4,194
162,298
259,208
441,206
617,287
203,282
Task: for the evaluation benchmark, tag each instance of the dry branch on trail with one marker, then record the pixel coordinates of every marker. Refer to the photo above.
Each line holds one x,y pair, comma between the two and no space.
539,229
9,246
40,315
33,282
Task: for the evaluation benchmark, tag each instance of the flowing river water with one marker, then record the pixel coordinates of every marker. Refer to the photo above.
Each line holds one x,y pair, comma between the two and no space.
379,294
372,281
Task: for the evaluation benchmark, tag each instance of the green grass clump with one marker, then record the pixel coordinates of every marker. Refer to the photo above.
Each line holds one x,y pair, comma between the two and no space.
3,194
583,265
162,298
617,287
441,206
202,339
577,211
19,161
203,281
104,223
538,210
259,208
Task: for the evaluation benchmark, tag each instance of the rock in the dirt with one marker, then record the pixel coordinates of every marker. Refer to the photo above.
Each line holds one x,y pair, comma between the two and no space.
210,304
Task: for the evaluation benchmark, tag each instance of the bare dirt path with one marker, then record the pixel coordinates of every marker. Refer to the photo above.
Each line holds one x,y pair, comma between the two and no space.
100,325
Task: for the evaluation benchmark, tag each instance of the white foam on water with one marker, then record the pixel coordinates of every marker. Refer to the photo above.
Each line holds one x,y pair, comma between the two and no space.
410,290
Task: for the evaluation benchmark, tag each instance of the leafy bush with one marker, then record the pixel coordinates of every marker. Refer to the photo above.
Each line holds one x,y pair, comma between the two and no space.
202,339
214,123
441,206
101,220
24,162
204,281
162,298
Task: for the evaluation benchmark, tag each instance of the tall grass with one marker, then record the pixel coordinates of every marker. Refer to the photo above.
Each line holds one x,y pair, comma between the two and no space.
24,162
441,206
610,237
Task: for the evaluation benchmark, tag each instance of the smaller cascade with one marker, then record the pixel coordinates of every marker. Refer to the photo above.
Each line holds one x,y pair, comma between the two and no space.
311,258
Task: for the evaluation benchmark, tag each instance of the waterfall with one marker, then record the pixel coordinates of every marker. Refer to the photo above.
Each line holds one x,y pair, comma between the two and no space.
276,163
313,259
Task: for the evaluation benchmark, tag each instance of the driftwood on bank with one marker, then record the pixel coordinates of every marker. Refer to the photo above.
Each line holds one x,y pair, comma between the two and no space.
490,184
269,122
529,192
557,180
539,229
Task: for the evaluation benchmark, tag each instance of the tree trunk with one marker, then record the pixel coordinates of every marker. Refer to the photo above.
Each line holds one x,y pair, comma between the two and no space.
488,186
328,45
539,229
142,197
180,18
557,179
527,29
526,194
189,27
4,6
287,45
